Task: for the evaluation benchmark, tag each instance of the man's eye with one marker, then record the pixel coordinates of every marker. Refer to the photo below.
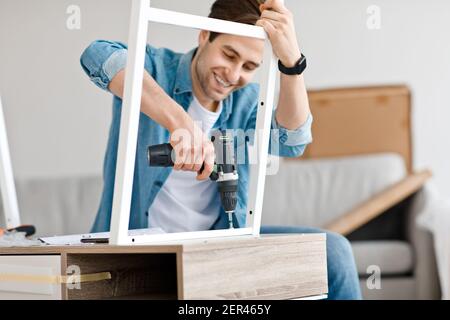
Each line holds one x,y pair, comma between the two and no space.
229,56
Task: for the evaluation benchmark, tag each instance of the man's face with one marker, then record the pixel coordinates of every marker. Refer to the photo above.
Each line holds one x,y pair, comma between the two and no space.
226,64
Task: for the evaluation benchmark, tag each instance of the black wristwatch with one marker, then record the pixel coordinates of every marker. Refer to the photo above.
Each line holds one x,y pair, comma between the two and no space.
298,69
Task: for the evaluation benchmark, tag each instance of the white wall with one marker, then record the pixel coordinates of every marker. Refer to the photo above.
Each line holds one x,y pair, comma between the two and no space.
58,121
411,47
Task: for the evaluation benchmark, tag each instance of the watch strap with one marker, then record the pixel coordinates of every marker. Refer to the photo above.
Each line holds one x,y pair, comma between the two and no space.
298,69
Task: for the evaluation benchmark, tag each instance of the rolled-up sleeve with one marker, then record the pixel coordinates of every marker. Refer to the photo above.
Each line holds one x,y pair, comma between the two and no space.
102,60
291,138
290,143
283,142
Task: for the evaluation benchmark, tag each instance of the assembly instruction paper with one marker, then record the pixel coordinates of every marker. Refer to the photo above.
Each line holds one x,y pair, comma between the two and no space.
76,238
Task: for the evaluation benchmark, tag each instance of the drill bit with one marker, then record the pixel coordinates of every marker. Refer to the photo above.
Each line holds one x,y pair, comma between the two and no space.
230,219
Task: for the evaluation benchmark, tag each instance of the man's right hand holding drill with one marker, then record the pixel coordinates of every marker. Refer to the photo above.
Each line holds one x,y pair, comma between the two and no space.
191,145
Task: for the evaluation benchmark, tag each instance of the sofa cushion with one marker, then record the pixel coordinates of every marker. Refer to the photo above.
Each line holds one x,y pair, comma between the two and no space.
58,206
392,257
315,192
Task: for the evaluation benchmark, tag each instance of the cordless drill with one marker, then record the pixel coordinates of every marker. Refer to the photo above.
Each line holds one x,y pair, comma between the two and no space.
225,169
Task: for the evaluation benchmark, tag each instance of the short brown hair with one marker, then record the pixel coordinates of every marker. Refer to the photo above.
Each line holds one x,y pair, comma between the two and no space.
242,11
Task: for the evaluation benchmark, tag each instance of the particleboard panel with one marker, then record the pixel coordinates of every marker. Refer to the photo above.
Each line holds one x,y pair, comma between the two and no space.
366,120
260,270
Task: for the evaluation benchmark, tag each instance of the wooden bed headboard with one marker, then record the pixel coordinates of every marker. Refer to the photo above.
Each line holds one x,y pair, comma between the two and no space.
353,121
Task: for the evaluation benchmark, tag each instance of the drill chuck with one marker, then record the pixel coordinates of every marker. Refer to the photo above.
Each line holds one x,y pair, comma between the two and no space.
228,194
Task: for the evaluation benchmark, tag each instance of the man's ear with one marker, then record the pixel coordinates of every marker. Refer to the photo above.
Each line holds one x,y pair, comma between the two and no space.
203,37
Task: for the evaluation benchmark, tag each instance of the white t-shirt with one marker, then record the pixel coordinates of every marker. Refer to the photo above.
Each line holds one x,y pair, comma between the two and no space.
184,203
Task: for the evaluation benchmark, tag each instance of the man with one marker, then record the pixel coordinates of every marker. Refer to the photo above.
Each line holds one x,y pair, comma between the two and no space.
205,89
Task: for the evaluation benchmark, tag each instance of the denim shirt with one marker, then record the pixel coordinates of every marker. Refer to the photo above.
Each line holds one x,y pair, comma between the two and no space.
102,60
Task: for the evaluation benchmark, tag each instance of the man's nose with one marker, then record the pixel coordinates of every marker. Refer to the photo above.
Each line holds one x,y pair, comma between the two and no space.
233,74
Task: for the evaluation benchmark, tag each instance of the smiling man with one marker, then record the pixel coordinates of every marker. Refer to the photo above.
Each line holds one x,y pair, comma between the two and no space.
209,88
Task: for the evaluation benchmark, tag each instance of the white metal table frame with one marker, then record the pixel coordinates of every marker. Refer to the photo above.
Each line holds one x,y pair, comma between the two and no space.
8,189
141,14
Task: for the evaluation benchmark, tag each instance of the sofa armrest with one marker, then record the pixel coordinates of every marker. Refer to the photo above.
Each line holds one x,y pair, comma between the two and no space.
425,270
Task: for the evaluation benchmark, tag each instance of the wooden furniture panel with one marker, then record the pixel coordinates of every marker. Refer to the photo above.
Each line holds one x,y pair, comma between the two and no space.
353,121
268,267
278,271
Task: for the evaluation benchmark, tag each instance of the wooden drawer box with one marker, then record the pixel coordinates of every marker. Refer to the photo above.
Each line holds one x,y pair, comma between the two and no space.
267,267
